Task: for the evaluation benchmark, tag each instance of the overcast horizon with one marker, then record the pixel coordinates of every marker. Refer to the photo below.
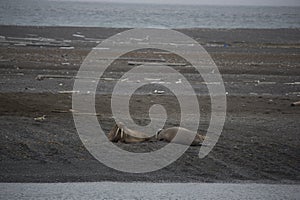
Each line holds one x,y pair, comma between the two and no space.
207,2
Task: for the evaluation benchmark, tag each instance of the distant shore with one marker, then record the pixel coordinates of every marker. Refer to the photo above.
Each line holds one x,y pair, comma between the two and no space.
259,143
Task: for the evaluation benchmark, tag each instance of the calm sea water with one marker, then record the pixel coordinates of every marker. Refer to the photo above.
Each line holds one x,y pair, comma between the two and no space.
64,13
109,190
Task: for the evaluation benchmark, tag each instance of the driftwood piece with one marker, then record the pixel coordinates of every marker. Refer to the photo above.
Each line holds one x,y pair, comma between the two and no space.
76,112
42,77
156,63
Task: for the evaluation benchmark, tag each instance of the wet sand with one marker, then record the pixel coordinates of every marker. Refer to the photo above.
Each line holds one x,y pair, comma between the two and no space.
259,143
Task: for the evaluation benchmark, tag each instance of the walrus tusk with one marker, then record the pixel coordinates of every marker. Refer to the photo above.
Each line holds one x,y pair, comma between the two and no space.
122,133
117,132
296,103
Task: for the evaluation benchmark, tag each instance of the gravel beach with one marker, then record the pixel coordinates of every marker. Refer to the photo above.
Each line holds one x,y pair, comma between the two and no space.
260,142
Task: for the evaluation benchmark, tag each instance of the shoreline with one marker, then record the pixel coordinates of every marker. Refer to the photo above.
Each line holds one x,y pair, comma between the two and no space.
104,27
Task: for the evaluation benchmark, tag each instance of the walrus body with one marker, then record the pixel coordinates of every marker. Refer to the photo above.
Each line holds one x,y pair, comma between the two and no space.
120,133
169,134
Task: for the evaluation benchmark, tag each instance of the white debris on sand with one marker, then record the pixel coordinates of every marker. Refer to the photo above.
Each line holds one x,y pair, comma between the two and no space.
67,48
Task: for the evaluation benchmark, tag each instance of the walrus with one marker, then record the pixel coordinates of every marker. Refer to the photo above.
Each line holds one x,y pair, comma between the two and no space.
168,135
120,133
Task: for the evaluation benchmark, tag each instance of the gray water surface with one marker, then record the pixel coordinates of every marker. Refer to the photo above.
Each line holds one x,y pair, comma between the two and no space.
115,190
82,13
